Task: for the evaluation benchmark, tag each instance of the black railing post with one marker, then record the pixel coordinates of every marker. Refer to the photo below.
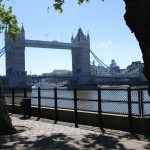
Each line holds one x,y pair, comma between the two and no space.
25,93
129,108
39,102
142,111
75,108
13,100
55,98
100,108
139,100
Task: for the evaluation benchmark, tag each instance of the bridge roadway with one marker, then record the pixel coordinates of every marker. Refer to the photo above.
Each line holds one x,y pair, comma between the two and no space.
120,77
67,77
74,77
48,44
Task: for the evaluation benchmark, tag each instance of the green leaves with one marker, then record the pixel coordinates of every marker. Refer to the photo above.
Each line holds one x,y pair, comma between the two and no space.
81,1
58,5
7,19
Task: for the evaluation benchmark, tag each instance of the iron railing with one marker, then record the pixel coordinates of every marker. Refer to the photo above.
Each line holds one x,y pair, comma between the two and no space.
129,101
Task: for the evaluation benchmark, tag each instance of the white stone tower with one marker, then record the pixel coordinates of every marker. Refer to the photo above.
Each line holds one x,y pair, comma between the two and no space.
15,59
15,54
81,57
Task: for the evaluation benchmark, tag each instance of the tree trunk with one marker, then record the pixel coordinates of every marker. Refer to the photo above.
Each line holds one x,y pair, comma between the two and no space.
6,126
137,18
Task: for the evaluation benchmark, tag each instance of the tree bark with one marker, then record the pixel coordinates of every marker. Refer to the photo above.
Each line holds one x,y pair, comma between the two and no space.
6,126
137,18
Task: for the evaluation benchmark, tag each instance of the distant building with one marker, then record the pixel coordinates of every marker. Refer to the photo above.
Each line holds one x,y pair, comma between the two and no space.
135,64
114,66
60,72
104,71
99,70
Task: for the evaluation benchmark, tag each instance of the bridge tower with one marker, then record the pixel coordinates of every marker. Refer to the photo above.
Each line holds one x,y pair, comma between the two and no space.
81,58
15,58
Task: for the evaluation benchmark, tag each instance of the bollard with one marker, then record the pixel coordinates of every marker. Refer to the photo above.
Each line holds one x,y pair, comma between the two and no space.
26,108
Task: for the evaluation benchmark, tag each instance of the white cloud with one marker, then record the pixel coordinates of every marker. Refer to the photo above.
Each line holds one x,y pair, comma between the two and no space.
110,42
106,43
103,43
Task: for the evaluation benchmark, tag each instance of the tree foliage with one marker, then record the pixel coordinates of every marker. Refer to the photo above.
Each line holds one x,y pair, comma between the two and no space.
8,19
59,3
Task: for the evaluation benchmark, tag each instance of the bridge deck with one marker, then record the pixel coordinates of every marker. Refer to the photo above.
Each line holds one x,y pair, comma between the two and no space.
48,44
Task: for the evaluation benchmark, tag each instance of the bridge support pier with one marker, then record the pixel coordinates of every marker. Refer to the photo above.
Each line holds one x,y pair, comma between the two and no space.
86,79
17,81
83,81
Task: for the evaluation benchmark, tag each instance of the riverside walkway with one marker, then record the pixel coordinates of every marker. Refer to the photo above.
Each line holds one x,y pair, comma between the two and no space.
45,135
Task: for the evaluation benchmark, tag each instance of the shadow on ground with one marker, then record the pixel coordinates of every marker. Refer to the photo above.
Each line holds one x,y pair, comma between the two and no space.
62,141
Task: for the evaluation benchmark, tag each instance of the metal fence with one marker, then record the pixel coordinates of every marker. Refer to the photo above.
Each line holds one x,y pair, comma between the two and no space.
131,102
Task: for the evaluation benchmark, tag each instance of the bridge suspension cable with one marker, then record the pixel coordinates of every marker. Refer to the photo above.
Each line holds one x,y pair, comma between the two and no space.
3,50
98,60
104,65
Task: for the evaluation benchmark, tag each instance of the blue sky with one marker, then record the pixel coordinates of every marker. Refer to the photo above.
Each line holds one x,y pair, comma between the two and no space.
110,37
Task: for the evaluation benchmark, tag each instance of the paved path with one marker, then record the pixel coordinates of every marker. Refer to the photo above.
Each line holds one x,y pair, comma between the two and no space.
43,135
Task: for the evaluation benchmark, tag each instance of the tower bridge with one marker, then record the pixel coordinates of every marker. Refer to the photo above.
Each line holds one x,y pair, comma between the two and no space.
80,50
15,56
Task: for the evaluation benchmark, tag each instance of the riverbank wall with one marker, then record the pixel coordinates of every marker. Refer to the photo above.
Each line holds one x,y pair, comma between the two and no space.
105,120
